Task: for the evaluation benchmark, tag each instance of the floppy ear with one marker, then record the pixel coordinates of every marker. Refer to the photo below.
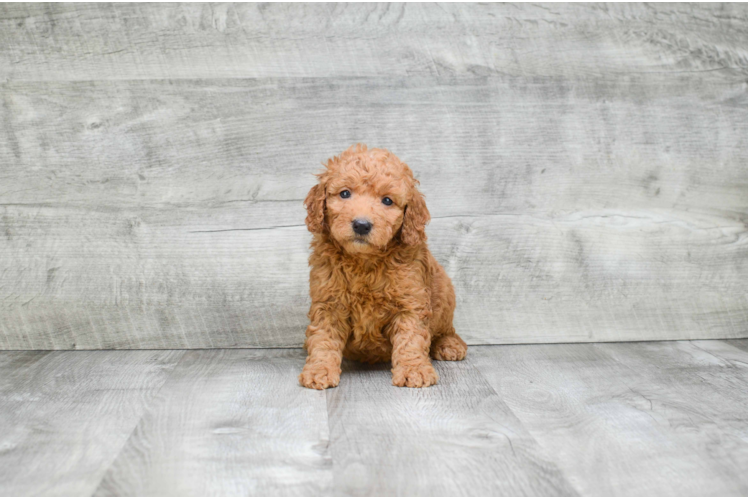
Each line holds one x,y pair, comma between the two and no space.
415,219
315,207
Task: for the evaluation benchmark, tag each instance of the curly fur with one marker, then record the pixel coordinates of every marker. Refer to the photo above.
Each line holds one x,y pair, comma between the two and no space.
382,297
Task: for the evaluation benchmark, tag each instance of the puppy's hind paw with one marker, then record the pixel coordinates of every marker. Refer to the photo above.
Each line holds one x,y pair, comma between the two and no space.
449,348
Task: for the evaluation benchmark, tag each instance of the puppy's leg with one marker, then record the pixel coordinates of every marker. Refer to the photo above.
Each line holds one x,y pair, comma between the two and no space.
325,339
448,347
411,340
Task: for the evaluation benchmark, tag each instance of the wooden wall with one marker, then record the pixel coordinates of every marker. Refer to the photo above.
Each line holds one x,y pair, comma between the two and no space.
586,166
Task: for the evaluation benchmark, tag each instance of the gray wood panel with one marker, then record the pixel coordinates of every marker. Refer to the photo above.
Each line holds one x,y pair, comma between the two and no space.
656,418
741,344
64,416
228,423
126,41
706,383
149,245
457,438
584,165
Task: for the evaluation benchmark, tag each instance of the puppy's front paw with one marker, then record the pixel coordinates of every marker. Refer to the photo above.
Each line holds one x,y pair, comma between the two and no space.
421,375
319,376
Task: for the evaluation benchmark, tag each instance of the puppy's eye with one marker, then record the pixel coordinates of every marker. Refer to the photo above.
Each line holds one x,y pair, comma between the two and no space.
345,194
387,201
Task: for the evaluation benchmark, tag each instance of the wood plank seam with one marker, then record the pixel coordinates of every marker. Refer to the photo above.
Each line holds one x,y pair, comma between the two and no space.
146,407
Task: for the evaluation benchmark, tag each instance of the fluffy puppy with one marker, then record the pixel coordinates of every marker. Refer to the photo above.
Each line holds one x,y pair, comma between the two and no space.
377,292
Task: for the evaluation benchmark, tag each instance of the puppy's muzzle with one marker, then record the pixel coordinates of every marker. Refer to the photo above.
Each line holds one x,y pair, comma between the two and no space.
361,227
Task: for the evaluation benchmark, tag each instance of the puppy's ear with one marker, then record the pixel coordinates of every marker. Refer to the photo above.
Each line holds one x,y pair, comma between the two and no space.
315,207
415,219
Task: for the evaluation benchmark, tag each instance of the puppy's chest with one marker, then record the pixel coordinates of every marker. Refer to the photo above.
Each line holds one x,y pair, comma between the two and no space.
372,304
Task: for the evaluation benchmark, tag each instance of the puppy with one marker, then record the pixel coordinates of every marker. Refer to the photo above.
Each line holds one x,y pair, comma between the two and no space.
377,292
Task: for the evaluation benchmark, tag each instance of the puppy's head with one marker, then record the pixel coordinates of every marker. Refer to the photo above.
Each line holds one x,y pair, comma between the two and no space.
366,199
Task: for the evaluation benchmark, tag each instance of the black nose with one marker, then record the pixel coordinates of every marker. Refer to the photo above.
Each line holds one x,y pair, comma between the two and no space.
361,227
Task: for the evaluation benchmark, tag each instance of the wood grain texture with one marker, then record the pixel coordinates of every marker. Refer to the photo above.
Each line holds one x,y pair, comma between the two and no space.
457,438
584,165
631,419
228,423
150,245
706,383
741,344
659,418
64,416
126,41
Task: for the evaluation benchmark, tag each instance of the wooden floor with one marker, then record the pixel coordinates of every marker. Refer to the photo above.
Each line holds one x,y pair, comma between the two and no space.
656,418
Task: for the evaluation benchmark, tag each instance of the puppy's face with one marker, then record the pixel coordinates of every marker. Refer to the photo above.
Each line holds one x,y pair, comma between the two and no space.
364,216
365,200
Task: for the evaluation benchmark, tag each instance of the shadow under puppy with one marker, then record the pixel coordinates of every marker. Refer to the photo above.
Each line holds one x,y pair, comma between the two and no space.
377,292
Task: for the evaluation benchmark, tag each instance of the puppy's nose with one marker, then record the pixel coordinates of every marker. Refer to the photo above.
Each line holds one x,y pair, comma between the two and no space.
361,227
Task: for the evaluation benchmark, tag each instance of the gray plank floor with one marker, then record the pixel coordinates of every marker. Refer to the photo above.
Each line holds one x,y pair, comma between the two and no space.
659,418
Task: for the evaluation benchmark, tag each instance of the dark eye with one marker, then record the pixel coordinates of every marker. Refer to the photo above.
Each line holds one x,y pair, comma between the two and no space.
345,194
387,201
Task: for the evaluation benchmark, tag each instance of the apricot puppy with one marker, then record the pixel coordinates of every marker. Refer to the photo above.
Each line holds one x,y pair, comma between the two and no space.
377,292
